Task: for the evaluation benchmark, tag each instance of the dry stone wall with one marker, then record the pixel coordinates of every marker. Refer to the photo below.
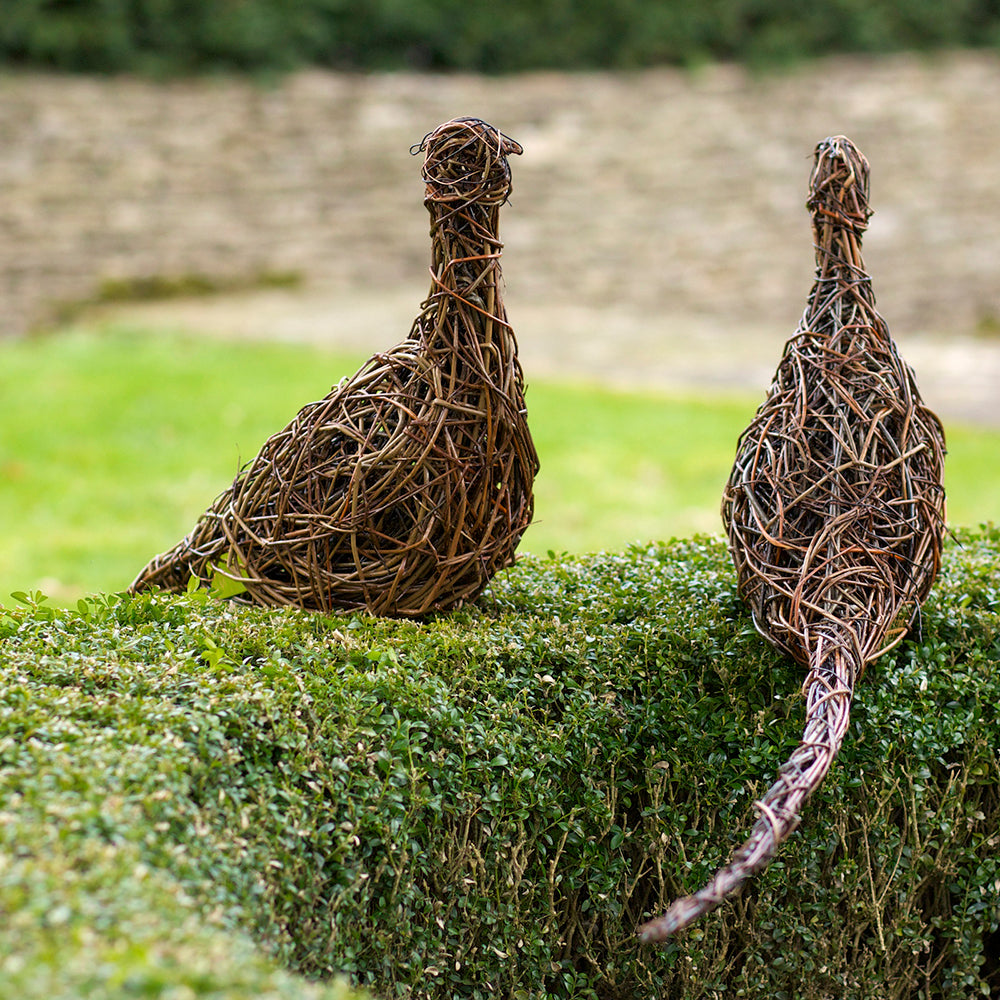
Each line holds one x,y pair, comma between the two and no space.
680,193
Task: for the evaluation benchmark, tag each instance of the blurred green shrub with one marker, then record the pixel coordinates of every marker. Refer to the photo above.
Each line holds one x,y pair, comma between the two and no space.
183,36
488,803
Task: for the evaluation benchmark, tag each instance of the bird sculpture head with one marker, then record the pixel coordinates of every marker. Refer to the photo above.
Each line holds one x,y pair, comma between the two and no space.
838,187
465,162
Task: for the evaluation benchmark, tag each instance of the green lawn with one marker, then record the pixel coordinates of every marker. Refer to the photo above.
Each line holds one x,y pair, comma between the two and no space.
113,441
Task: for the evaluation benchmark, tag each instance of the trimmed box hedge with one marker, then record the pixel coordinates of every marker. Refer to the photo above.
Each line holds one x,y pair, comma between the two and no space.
488,803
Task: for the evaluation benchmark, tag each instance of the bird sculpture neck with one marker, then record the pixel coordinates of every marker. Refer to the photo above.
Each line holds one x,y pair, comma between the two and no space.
463,319
838,201
467,179
466,251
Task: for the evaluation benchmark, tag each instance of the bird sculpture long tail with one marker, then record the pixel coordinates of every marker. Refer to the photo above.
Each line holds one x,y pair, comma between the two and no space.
834,510
410,484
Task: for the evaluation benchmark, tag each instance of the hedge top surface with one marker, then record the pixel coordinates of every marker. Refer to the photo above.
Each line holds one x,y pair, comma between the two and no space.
489,803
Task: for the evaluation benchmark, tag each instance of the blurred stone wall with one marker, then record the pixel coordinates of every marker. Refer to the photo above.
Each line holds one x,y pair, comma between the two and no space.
668,192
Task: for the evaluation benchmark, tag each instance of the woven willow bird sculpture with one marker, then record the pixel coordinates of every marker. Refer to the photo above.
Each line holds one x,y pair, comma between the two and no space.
834,508
406,488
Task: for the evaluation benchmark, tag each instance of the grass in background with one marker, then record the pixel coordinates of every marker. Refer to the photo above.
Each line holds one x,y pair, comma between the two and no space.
113,441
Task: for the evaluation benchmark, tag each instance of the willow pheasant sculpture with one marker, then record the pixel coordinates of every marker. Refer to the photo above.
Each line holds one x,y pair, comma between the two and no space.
834,509
410,484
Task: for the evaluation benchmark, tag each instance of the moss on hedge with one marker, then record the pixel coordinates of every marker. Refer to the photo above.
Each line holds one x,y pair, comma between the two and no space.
487,804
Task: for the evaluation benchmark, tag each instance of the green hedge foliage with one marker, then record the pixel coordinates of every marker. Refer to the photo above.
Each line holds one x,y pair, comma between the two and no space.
178,36
488,803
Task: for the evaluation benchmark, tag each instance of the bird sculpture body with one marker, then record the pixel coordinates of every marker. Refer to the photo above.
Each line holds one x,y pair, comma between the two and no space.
834,509
410,484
